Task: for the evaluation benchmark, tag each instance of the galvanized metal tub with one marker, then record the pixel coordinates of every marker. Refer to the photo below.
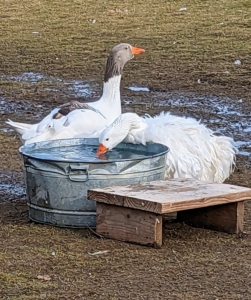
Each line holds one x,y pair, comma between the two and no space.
57,187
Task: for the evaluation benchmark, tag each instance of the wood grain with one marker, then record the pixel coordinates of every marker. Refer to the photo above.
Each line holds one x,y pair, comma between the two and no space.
227,217
173,195
130,225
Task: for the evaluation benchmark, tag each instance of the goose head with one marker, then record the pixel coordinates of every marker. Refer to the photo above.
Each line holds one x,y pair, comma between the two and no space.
118,131
118,57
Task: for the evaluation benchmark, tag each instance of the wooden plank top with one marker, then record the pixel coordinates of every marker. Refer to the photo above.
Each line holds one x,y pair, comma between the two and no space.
173,195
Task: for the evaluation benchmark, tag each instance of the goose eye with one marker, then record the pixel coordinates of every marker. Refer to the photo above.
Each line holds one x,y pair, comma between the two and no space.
107,139
126,48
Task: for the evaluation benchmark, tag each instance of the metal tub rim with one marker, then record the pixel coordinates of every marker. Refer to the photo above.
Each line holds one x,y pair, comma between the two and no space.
163,149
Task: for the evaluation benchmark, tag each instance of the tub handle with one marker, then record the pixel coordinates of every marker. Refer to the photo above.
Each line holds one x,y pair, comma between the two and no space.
79,173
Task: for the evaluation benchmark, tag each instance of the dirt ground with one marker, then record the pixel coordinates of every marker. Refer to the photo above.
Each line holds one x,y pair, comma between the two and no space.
189,67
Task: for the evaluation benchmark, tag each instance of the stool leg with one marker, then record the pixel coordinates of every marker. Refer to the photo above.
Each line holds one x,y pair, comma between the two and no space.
226,217
130,225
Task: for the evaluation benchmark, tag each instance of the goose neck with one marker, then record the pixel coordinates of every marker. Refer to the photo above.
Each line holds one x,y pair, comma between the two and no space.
111,89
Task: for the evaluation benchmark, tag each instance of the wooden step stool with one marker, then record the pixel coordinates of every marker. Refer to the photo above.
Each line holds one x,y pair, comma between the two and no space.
134,213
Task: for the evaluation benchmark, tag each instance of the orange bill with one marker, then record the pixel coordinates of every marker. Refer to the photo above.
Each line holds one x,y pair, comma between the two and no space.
101,149
136,51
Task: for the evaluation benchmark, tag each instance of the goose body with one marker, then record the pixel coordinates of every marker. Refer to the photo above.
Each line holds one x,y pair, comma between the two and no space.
195,151
73,120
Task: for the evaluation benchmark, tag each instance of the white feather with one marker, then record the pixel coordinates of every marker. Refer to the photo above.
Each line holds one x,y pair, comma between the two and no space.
20,128
195,151
79,122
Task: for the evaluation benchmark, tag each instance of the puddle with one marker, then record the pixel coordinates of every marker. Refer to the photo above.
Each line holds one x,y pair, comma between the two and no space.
12,190
77,88
12,187
244,153
29,77
138,89
247,129
224,115
26,109
244,147
6,130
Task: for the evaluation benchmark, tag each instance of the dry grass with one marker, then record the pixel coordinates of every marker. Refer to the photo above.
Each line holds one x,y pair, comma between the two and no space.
181,46
192,264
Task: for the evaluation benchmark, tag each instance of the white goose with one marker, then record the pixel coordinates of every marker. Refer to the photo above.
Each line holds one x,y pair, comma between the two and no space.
195,151
75,119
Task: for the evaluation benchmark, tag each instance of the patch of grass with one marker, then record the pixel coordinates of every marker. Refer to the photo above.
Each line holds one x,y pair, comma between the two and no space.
72,39
192,264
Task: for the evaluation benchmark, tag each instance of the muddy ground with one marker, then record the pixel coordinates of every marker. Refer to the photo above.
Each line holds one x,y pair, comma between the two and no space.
53,51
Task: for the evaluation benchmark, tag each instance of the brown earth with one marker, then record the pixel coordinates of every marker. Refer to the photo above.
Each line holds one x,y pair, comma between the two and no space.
70,40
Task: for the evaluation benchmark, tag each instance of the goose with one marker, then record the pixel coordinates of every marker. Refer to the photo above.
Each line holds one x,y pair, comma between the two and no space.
195,150
78,120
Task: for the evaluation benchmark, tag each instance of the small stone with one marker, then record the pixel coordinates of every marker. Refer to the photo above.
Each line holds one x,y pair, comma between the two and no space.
237,62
